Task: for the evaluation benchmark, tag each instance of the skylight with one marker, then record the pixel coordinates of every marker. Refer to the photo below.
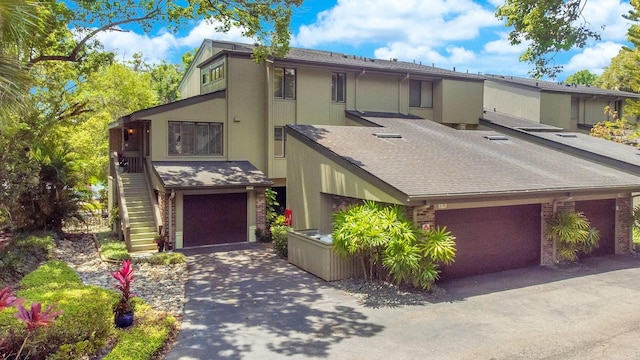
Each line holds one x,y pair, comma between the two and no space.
567,135
387,136
496,137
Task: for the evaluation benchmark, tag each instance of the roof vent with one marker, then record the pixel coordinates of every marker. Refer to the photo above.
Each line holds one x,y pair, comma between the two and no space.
567,135
496,137
387,136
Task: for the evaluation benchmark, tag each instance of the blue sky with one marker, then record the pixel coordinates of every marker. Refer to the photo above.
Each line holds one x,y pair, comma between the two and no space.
447,33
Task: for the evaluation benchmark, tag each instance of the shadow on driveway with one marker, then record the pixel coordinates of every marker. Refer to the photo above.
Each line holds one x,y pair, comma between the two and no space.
461,289
249,303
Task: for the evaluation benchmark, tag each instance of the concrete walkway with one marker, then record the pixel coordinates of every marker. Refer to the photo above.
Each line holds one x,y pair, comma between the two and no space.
249,304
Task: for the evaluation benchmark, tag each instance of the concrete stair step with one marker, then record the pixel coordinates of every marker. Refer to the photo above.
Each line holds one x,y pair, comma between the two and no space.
147,231
149,235
144,247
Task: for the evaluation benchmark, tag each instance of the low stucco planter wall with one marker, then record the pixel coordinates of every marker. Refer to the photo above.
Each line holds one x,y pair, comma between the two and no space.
316,256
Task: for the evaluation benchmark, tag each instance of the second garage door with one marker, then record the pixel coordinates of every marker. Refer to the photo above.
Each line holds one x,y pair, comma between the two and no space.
602,216
214,219
492,239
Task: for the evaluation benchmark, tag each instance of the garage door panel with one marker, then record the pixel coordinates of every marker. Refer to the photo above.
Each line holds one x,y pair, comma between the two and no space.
215,219
492,239
602,216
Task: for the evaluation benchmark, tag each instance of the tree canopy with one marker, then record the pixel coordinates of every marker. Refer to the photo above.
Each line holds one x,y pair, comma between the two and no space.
548,27
59,89
582,77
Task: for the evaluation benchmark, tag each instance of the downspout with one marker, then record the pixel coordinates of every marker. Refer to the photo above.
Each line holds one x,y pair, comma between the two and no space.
171,229
356,88
405,78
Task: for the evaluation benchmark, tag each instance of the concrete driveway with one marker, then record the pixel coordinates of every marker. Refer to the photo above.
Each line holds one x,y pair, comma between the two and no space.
249,304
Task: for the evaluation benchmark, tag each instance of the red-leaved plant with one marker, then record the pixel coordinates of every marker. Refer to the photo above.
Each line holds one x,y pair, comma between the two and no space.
125,277
8,298
33,318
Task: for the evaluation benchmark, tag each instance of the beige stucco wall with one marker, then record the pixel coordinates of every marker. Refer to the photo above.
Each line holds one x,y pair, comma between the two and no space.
208,111
313,174
513,100
555,109
461,101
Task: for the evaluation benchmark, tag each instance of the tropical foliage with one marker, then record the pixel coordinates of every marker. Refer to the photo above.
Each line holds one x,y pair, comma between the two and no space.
383,239
59,89
573,235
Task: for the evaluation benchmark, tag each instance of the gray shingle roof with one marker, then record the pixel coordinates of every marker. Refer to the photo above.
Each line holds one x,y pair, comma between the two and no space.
515,122
605,151
433,161
560,86
353,61
198,174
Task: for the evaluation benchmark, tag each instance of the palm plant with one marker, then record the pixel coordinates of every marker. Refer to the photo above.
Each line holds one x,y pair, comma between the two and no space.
384,236
18,21
573,235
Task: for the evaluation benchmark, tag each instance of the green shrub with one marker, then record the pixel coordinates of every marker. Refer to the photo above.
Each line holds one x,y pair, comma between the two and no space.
115,250
82,329
54,274
279,234
147,337
22,255
165,258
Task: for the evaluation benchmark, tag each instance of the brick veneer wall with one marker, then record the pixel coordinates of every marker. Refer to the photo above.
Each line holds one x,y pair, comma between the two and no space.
339,203
624,222
548,256
162,206
424,216
261,210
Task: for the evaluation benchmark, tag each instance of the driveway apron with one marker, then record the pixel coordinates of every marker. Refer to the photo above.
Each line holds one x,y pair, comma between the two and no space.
250,304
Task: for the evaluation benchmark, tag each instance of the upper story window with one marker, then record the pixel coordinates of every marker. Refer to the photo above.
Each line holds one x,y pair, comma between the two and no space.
338,86
420,93
217,72
205,78
195,138
284,83
279,141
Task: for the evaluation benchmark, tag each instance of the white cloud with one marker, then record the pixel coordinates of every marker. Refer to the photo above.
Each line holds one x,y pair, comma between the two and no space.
416,22
608,13
594,58
502,46
425,55
163,45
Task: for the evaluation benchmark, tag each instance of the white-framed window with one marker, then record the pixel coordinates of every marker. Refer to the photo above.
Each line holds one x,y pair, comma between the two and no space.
284,83
279,141
420,93
338,87
194,138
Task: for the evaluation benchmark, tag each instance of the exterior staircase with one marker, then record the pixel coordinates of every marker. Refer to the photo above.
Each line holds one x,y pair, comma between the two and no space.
143,226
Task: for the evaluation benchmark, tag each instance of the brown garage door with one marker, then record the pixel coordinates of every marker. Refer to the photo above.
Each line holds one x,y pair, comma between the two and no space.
602,216
492,239
214,219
